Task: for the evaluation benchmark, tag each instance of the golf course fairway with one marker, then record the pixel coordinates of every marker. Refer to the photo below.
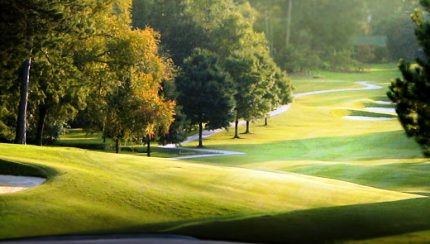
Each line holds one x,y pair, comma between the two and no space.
311,176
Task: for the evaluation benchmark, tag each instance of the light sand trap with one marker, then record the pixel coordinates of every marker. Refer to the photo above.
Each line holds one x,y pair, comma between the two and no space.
383,102
381,109
9,184
364,118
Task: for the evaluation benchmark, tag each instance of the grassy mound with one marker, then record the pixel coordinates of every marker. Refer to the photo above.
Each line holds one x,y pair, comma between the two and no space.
19,169
91,192
308,177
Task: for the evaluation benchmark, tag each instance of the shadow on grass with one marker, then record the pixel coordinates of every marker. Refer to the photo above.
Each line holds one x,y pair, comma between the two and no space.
374,146
21,169
325,225
399,177
340,153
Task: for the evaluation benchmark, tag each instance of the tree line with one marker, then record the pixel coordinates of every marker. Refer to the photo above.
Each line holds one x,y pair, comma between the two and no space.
132,69
306,35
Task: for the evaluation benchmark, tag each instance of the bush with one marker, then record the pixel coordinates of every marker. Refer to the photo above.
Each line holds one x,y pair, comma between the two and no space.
298,59
343,62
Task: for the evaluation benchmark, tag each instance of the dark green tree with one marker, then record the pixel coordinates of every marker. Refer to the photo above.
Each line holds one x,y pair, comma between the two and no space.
411,92
205,92
33,29
177,131
180,34
254,78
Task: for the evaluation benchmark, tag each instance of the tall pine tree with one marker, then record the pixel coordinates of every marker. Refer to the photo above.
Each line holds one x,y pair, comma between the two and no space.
411,93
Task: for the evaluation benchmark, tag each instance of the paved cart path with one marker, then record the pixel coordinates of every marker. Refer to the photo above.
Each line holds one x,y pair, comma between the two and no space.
202,153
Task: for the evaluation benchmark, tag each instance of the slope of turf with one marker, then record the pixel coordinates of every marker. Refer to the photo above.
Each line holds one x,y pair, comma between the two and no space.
311,138
308,177
91,191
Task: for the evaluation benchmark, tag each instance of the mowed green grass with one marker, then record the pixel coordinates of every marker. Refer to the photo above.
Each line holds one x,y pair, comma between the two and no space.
313,139
309,177
92,191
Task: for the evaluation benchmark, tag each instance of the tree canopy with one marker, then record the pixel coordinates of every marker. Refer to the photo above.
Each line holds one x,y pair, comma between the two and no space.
410,93
227,29
205,92
75,55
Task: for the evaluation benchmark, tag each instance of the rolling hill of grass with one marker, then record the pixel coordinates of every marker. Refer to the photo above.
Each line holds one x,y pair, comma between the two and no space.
92,191
309,177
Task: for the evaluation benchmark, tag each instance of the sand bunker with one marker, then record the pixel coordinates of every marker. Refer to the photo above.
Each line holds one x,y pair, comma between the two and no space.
383,102
9,184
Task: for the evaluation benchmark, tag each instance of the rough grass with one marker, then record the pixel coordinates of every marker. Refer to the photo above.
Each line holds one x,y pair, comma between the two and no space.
308,177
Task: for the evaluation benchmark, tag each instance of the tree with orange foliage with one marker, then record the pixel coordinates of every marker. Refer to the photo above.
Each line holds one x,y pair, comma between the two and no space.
126,73
135,107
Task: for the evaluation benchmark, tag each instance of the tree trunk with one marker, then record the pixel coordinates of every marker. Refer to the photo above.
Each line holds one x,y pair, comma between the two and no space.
266,121
248,131
148,148
236,129
41,124
200,135
290,9
117,145
104,134
21,127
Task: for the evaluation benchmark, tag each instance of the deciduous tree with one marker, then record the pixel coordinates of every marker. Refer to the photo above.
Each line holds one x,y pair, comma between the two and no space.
38,29
205,92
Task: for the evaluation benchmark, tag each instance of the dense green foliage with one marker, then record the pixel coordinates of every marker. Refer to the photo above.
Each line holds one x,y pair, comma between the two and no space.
392,18
410,93
226,29
79,55
35,34
309,34
306,35
205,92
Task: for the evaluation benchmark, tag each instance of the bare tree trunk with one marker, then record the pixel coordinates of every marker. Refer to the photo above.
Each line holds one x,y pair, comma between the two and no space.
236,129
21,127
248,131
41,124
266,121
200,135
290,9
117,145
148,148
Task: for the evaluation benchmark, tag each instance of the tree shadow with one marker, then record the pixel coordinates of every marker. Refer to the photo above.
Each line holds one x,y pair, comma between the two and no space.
318,226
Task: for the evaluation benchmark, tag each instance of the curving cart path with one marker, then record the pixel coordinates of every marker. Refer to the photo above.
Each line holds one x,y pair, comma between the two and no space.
10,184
203,153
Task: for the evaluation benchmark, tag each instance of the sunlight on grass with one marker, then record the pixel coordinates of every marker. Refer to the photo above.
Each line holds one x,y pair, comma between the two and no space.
131,191
309,177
